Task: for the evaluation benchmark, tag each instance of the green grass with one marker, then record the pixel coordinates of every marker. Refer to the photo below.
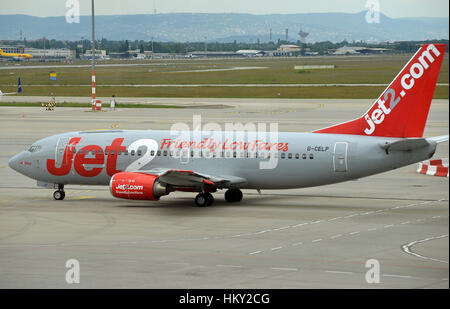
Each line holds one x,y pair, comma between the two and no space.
380,69
359,92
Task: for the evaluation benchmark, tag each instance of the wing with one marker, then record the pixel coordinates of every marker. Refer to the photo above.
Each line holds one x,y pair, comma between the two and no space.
191,179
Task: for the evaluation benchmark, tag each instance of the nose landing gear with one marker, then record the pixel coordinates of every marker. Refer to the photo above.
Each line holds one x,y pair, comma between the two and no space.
59,195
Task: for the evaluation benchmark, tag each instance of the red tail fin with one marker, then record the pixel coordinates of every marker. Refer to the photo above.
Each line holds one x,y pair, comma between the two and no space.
402,108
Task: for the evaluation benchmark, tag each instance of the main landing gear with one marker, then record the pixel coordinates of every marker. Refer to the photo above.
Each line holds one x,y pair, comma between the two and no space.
59,195
233,195
207,199
204,199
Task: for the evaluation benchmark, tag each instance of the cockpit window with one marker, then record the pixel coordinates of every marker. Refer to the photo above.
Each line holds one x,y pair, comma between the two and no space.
34,148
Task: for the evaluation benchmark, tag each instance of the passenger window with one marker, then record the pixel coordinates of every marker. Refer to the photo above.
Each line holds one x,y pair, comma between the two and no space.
290,156
283,155
304,156
158,153
132,152
119,152
234,154
311,156
152,153
297,156
139,152
99,151
112,152
125,152
106,152
165,153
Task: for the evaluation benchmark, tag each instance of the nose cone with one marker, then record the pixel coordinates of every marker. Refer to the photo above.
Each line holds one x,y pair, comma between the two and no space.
17,162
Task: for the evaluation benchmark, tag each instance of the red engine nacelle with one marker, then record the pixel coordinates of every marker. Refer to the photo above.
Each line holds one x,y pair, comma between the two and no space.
137,186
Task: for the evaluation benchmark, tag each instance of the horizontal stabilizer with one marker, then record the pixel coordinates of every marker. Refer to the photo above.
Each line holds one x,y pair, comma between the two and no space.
406,144
438,139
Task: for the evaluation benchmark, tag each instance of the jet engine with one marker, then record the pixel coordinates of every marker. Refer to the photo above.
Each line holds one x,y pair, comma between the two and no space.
137,186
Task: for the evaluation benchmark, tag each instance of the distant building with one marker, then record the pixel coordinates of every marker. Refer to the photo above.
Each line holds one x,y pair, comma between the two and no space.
355,50
285,50
211,54
250,53
13,49
289,48
99,54
51,54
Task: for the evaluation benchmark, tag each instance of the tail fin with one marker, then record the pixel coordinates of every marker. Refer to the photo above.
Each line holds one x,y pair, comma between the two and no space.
402,108
19,86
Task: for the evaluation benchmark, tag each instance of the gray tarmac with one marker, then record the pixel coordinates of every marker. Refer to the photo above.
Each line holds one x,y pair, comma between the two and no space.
307,238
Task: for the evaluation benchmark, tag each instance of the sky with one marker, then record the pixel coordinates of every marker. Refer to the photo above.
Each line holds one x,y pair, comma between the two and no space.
391,8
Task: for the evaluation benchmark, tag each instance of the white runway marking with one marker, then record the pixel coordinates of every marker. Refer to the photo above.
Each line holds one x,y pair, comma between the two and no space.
407,248
285,269
256,252
339,272
398,276
336,236
229,266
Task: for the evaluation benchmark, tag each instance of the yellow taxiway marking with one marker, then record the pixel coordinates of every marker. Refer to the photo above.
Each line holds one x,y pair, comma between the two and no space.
437,124
80,197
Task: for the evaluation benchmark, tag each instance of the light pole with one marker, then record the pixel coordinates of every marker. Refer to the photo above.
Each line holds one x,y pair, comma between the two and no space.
93,58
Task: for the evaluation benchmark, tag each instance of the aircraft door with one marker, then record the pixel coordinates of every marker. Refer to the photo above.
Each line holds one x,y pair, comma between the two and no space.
340,156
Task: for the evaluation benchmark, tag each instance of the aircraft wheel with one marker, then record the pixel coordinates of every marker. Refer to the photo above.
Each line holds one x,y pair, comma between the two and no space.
59,195
210,199
233,195
204,199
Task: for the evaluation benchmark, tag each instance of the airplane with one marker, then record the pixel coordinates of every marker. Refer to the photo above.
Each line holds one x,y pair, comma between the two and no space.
19,89
15,56
147,164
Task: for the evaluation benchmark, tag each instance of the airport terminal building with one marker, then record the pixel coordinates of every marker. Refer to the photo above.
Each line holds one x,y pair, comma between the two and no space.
56,54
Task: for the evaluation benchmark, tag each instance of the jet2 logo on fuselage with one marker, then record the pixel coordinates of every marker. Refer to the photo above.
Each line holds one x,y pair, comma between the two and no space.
81,162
